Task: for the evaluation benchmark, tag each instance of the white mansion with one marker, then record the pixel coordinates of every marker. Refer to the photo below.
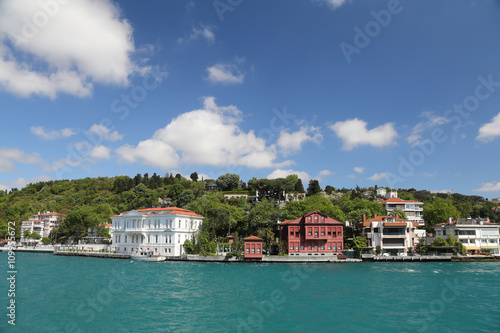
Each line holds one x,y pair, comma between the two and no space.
162,230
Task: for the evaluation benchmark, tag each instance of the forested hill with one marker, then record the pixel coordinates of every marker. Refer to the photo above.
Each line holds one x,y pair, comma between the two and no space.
94,200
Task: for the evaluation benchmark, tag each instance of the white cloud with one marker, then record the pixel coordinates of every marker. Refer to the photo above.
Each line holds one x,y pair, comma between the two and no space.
490,131
100,153
432,121
292,142
208,136
47,48
359,169
281,173
105,133
333,4
225,73
203,31
378,176
353,133
10,156
324,173
489,187
51,135
21,182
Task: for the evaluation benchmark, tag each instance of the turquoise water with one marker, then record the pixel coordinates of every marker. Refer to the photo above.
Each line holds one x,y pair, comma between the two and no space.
77,294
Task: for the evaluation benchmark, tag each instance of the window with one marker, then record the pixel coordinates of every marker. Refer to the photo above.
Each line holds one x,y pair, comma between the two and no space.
329,233
248,250
309,247
315,234
329,247
323,218
258,250
322,232
125,238
291,233
316,217
253,249
322,247
156,238
339,233
316,248
291,247
340,247
296,248
334,248
302,247
309,233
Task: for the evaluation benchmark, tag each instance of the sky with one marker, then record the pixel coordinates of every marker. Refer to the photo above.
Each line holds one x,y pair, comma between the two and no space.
404,94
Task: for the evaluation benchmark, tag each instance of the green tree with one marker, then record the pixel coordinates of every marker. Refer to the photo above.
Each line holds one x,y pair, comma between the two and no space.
422,247
295,209
27,234
313,187
194,176
189,246
46,240
299,188
36,236
400,213
263,215
358,244
439,210
228,182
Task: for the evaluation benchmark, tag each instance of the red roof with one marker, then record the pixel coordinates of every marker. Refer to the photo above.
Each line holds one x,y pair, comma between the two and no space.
253,238
398,220
398,200
299,219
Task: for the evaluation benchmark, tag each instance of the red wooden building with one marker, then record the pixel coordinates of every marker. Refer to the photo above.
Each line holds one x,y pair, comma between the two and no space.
253,247
313,234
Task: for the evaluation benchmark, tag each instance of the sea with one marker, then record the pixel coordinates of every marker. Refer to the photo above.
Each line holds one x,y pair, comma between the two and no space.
79,294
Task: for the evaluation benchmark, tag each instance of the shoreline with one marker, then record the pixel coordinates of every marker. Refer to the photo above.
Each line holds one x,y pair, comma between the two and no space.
266,259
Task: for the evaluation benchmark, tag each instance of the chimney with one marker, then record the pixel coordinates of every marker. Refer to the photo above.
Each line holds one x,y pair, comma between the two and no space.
397,216
450,219
374,215
364,217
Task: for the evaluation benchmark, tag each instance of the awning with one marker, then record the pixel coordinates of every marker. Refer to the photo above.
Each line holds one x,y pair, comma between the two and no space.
394,224
472,247
491,247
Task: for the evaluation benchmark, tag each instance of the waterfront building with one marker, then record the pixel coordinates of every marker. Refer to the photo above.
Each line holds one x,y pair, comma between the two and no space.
41,223
497,200
381,191
253,247
313,234
391,233
475,234
412,209
162,230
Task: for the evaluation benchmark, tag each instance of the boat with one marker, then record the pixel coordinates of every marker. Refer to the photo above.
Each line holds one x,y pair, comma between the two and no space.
147,255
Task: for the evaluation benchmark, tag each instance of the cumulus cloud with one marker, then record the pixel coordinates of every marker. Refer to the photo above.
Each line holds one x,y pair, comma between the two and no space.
100,153
52,134
489,187
359,169
292,142
354,133
225,73
281,173
432,120
332,4
10,156
202,32
105,133
21,182
378,176
490,131
47,48
208,136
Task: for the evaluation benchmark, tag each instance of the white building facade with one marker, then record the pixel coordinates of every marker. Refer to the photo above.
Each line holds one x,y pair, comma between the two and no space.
413,209
475,234
41,223
162,230
393,234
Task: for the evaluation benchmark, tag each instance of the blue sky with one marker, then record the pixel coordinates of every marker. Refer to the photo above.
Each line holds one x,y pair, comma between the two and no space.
394,93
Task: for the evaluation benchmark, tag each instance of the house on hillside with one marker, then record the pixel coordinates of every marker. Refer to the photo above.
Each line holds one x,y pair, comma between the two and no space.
392,234
162,230
41,223
475,234
412,209
313,234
